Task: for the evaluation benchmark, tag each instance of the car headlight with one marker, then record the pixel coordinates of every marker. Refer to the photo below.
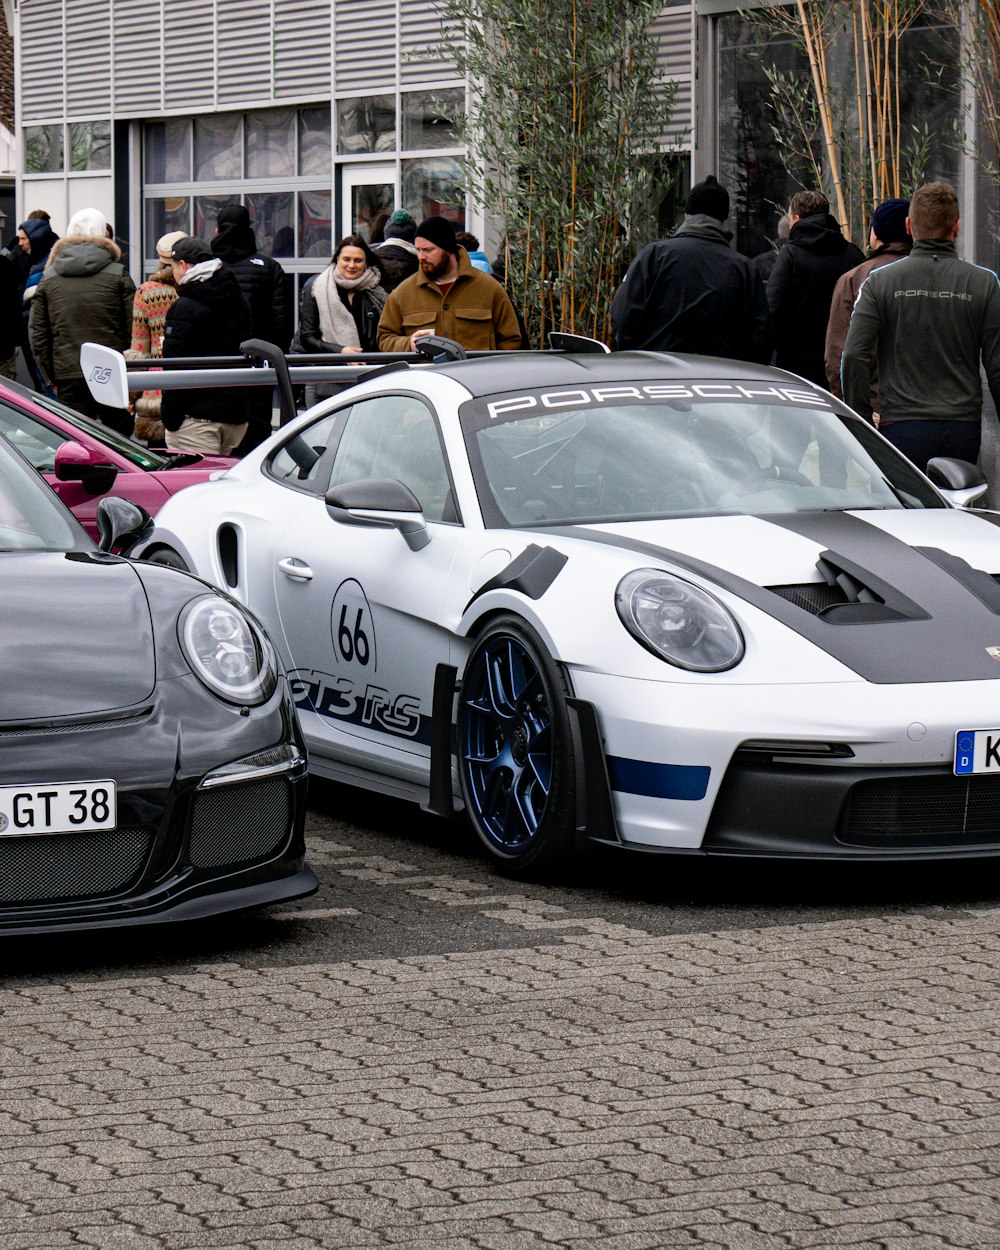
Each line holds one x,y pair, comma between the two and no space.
678,621
227,653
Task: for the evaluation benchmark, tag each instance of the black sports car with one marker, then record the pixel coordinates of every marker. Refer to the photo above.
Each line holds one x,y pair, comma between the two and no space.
152,768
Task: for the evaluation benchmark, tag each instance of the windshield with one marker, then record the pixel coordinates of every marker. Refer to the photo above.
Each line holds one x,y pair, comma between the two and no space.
141,457
550,458
31,517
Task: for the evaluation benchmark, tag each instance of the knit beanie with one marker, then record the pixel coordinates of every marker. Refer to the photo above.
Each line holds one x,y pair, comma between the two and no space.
889,221
708,197
440,232
89,221
400,226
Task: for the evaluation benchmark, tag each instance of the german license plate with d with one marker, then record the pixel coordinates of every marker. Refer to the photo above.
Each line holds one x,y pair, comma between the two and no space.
977,751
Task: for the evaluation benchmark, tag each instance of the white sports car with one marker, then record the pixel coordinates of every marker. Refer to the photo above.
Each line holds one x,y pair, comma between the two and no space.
666,603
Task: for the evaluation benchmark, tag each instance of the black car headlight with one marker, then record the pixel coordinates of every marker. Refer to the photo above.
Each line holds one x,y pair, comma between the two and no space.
678,621
226,651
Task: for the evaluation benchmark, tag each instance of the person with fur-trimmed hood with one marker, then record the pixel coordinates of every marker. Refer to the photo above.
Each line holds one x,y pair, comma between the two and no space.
85,296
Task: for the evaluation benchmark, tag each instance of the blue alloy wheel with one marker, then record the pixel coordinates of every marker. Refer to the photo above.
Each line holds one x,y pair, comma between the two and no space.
513,747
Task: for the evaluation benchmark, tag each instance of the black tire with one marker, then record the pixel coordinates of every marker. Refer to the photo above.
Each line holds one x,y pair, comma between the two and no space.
169,557
515,756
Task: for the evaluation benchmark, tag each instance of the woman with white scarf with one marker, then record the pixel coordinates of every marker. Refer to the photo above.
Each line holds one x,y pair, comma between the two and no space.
342,306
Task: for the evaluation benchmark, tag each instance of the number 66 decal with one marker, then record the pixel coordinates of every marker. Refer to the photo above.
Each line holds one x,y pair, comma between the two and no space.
352,628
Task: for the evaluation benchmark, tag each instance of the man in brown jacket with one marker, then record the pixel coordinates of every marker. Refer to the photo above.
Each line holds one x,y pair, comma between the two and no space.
447,296
888,241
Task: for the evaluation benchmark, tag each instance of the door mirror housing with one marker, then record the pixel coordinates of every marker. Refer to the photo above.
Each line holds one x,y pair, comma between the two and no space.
380,501
121,524
76,463
960,482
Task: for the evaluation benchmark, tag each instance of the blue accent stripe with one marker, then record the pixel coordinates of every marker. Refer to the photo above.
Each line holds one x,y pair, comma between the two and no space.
659,781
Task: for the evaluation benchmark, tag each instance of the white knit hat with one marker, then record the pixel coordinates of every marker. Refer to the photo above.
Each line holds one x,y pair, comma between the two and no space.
89,221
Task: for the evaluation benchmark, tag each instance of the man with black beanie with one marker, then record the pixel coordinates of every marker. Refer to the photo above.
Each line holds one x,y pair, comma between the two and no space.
265,285
692,292
447,296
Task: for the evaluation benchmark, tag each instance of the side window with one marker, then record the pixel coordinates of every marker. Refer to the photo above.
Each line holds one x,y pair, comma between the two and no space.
36,441
322,437
396,436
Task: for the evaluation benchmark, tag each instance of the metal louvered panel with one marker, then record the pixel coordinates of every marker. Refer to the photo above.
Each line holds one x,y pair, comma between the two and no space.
365,45
189,77
88,57
674,32
42,76
138,55
302,47
425,51
244,50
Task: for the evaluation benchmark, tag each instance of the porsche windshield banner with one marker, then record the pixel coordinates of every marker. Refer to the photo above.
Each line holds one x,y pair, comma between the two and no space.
513,406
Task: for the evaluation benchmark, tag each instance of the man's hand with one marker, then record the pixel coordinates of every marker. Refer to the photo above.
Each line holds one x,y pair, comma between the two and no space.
418,334
351,351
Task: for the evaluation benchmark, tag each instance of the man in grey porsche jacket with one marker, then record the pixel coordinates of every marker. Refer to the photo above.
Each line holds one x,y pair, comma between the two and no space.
929,319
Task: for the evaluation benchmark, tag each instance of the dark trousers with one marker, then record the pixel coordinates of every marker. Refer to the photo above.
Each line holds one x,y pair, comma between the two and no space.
919,441
74,393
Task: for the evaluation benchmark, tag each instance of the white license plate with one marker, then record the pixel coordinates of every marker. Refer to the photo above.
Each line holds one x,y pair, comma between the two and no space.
65,807
977,751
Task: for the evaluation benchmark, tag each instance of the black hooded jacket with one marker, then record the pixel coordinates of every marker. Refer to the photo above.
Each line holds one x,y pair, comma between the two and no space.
693,293
209,318
800,291
262,280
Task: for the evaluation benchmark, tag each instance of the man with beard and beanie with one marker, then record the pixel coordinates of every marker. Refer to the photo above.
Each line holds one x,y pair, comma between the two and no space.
448,297
210,317
692,292
888,240
800,288
265,285
85,296
397,255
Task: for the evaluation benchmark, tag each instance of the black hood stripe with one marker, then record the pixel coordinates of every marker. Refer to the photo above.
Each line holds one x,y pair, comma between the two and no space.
945,641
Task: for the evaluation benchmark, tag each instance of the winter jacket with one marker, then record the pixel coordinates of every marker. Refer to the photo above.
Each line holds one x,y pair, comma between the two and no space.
366,311
85,296
800,291
476,312
10,310
929,319
398,261
43,239
209,318
262,280
845,294
693,293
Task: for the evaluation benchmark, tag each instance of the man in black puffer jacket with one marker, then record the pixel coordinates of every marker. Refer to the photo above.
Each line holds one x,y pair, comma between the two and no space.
800,289
265,285
209,318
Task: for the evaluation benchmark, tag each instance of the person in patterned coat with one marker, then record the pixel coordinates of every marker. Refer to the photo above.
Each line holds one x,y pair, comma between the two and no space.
150,306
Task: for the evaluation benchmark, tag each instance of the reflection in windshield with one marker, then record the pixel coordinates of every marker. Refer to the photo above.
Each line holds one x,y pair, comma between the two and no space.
31,518
677,458
142,457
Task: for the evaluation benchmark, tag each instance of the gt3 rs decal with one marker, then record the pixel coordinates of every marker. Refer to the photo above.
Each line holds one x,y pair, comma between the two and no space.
360,703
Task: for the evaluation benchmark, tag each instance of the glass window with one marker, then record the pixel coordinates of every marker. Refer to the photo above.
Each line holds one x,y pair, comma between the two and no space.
368,200
206,211
30,515
218,147
434,185
286,466
314,141
164,216
270,144
315,224
429,118
396,436
43,149
36,441
272,215
89,145
168,150
366,124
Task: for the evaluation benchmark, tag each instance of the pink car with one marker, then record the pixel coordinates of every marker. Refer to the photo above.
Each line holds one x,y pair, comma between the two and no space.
83,461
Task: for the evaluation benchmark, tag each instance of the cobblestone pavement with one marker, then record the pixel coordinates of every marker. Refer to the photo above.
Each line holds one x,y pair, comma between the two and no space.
514,1067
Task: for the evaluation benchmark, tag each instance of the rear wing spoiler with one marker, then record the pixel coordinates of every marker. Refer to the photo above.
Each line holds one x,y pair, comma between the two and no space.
111,378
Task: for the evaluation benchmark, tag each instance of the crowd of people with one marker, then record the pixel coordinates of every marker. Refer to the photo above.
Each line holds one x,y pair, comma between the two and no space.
900,334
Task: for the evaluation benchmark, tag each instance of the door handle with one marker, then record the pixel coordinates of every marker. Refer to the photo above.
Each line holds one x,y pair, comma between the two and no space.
295,569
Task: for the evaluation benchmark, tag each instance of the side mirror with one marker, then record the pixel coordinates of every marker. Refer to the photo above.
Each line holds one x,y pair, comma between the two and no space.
380,501
121,524
960,482
76,463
